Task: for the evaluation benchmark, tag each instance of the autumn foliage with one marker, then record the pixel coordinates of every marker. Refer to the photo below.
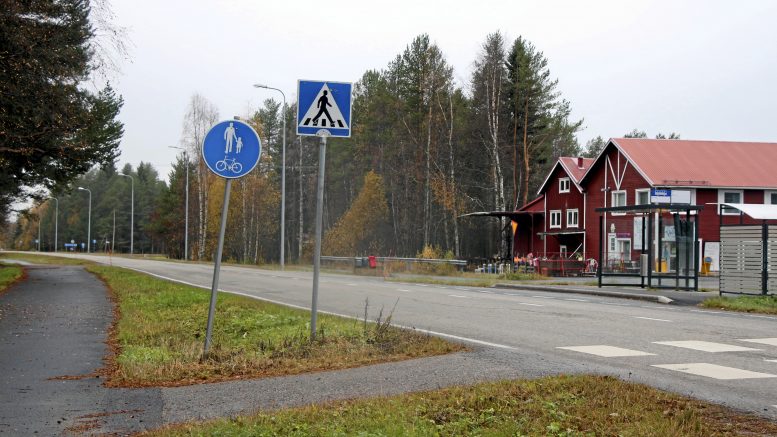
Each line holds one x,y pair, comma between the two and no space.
356,231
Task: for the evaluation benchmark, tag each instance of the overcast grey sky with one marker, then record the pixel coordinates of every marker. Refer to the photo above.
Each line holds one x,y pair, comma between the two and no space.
705,69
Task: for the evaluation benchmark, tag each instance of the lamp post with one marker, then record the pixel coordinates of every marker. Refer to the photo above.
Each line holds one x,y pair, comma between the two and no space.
56,223
283,173
132,213
89,221
186,223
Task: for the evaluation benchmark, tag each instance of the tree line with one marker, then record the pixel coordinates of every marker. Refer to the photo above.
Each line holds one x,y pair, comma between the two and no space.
424,151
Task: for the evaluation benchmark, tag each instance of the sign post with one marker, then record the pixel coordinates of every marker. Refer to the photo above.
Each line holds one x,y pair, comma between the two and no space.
231,150
323,110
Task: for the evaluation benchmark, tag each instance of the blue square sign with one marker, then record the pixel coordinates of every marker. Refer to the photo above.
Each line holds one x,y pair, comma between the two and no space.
324,108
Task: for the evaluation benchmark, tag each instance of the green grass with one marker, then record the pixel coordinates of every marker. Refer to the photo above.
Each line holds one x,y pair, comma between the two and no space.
44,259
748,304
8,275
161,329
552,406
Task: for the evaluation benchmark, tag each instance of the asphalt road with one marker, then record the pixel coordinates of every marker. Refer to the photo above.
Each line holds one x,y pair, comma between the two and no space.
726,358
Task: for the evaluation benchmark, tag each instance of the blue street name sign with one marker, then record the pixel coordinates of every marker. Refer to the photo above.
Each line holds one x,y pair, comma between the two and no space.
324,108
231,149
658,195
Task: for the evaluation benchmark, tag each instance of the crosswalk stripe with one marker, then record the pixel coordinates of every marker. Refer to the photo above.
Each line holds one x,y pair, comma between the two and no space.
606,351
770,341
706,346
714,371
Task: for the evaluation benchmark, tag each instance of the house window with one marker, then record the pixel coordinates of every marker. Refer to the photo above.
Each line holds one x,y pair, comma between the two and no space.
618,199
729,196
555,219
642,196
770,197
563,185
572,218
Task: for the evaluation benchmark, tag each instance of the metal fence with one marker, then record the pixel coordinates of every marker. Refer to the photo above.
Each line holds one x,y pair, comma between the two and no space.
748,253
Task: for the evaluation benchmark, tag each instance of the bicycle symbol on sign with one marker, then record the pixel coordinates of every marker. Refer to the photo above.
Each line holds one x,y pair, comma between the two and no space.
231,164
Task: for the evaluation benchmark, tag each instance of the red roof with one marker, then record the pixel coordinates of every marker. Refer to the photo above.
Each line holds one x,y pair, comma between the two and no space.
687,163
573,168
535,205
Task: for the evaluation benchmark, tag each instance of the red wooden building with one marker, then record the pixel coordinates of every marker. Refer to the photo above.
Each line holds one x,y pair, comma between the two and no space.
562,222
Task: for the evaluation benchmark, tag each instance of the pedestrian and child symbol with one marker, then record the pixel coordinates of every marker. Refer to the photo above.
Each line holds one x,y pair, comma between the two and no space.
231,148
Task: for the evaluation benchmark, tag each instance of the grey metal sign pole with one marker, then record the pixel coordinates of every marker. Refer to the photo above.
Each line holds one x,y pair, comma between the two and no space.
217,265
319,220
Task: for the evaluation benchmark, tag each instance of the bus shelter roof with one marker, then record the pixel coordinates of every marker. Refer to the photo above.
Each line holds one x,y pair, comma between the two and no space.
754,210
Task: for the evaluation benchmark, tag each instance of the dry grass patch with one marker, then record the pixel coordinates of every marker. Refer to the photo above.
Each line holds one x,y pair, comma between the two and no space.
160,333
552,406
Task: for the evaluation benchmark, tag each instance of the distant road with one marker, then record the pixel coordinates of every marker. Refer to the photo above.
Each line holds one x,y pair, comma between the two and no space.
726,358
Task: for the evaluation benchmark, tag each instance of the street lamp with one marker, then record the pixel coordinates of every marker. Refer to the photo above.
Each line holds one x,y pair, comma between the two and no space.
186,223
89,222
132,213
283,172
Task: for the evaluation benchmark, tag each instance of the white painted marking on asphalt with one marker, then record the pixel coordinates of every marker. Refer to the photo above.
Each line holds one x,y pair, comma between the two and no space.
770,341
403,289
425,331
512,294
530,304
422,285
707,312
545,297
714,371
458,295
485,291
771,361
706,346
577,300
606,351
650,318
352,285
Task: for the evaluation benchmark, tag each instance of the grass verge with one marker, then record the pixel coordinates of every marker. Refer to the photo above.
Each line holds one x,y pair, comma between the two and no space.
468,279
748,304
551,406
9,274
44,259
160,332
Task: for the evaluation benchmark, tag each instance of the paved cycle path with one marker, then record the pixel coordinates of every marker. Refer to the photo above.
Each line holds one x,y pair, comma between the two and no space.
53,328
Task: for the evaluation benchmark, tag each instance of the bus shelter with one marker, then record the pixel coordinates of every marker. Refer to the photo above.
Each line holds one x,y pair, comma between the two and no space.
660,251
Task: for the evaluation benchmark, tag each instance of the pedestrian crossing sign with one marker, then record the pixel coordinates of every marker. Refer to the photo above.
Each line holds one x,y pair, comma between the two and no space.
324,108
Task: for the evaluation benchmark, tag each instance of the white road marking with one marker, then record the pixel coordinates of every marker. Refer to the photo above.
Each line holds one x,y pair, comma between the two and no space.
577,300
606,351
714,371
352,285
770,341
650,318
771,361
707,312
530,304
458,295
512,294
402,289
706,346
544,297
485,291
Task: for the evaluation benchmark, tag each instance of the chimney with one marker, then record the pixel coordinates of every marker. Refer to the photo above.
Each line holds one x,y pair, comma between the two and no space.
579,162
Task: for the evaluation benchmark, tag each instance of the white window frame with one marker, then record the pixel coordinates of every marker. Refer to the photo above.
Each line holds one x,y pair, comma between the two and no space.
563,185
576,223
768,197
555,213
722,198
637,192
625,200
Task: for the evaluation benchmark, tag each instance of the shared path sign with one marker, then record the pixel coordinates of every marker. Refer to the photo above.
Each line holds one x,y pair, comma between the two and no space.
231,149
324,108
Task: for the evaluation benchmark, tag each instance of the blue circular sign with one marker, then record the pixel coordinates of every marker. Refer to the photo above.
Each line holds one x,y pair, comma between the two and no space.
231,149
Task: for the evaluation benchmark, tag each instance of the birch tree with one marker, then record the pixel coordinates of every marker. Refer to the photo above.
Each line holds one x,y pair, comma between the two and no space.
200,116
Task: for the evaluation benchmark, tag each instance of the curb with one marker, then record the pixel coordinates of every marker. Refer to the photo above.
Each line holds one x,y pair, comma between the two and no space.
617,294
